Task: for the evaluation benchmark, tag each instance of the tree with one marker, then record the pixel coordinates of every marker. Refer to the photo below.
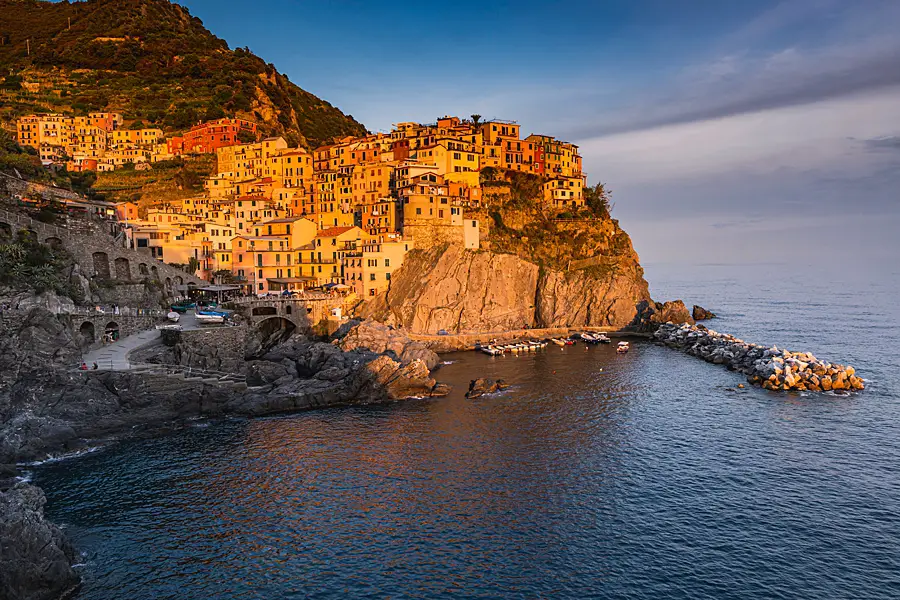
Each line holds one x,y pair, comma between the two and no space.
476,119
246,137
192,265
597,198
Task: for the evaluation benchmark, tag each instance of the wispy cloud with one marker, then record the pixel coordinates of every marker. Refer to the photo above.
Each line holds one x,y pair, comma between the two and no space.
752,72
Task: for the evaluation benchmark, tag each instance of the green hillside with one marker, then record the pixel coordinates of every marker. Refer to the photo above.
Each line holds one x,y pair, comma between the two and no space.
152,61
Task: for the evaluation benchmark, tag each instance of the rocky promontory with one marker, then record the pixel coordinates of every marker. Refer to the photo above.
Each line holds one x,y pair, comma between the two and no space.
771,368
466,291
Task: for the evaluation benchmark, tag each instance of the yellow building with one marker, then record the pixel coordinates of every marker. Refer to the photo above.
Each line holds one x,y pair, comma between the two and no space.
323,258
123,138
368,271
564,193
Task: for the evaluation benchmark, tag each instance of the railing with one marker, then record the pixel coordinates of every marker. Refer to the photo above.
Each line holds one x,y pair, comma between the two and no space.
297,297
122,311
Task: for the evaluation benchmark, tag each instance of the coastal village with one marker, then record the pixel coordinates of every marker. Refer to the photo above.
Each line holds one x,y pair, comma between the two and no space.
279,219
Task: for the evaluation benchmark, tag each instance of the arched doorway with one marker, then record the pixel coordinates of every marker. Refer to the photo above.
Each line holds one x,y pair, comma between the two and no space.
101,264
154,272
87,333
54,242
111,332
123,268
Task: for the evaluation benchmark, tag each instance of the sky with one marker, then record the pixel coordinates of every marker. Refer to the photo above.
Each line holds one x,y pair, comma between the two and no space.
760,131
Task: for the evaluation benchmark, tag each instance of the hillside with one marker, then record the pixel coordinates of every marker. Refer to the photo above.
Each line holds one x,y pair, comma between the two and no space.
152,61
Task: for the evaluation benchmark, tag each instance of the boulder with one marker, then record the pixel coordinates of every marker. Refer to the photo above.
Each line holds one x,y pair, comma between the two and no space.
479,387
383,339
701,314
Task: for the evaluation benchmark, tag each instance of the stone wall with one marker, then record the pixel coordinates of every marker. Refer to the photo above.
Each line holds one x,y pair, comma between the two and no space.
105,260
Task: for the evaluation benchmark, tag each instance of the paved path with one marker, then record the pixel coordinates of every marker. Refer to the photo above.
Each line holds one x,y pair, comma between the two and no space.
114,357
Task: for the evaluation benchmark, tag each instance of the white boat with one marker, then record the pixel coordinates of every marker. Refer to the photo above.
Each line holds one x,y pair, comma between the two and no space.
603,339
491,350
589,338
173,316
622,348
209,319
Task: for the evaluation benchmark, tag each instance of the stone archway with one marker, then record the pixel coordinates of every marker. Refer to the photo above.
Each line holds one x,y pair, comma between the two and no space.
168,284
88,333
111,332
54,242
274,331
101,264
123,268
262,311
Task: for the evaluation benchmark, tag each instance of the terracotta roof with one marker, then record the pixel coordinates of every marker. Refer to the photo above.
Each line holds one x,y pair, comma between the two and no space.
333,232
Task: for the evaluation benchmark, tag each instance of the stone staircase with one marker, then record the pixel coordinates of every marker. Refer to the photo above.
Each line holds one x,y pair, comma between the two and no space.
235,381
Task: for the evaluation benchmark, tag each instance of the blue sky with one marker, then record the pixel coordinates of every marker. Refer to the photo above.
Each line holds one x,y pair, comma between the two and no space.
742,131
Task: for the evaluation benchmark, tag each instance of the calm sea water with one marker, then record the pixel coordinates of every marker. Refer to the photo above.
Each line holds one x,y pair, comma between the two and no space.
594,476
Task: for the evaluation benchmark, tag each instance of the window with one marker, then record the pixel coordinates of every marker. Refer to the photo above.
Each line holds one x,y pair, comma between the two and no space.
371,276
387,276
387,262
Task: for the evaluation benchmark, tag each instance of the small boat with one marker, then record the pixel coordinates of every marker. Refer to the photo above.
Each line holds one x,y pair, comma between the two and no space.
622,348
210,316
603,339
558,341
173,316
491,350
570,342
182,307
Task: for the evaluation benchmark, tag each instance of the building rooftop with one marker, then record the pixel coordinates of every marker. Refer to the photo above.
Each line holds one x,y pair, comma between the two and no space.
333,232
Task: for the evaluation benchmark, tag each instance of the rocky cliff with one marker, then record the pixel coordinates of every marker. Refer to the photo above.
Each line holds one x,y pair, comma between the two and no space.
35,557
464,291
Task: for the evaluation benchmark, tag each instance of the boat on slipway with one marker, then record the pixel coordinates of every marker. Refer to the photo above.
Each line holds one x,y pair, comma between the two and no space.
210,317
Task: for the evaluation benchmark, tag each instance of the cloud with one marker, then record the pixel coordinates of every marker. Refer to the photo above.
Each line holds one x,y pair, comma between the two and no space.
889,142
754,69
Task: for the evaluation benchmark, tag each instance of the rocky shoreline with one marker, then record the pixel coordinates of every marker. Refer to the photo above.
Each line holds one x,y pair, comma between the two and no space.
770,368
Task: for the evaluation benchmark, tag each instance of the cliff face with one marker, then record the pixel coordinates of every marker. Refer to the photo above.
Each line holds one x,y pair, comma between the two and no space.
464,291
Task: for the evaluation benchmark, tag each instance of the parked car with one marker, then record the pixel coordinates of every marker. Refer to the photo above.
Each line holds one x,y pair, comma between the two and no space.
443,332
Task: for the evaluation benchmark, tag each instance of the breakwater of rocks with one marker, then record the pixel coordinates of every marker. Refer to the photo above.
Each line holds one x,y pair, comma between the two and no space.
771,368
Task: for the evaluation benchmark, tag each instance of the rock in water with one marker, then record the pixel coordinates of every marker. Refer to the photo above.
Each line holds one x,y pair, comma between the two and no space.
479,387
701,314
653,314
35,557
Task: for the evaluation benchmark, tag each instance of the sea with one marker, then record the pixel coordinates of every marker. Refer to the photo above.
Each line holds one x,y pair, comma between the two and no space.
594,475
